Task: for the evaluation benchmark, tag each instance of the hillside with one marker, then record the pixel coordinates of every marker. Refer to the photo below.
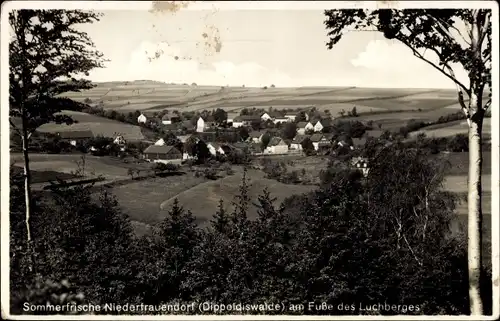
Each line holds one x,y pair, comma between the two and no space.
99,126
155,96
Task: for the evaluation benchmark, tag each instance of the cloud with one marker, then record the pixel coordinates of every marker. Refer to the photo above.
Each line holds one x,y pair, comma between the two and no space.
168,63
396,66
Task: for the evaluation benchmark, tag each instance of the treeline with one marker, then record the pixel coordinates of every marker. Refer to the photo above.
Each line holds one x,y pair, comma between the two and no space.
383,238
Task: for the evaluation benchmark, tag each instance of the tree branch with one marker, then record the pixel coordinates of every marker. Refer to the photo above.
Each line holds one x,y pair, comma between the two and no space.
411,250
15,127
444,31
450,76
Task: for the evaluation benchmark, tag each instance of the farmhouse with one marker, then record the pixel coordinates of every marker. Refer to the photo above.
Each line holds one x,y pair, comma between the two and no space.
303,126
360,163
245,120
200,125
187,125
319,141
75,137
231,117
215,148
290,117
358,142
166,119
281,119
184,138
141,119
256,136
266,117
119,140
321,124
160,142
277,146
297,142
163,154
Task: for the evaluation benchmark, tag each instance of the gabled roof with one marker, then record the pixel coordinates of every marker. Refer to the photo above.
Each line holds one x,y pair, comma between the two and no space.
298,139
316,137
276,114
155,149
166,117
328,136
246,118
187,124
184,138
256,134
276,141
214,145
302,124
75,134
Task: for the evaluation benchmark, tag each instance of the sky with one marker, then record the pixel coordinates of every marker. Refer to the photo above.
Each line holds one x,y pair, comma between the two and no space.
286,48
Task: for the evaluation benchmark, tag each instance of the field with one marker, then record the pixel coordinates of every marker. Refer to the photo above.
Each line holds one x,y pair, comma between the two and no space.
452,129
155,96
99,126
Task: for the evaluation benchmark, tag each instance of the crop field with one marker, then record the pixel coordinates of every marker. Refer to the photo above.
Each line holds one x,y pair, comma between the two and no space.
99,126
149,95
453,128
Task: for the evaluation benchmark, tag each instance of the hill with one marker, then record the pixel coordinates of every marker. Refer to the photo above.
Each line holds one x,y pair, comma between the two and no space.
99,126
154,96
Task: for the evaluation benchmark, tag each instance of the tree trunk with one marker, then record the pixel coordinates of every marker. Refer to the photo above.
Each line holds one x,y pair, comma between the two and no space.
27,195
475,211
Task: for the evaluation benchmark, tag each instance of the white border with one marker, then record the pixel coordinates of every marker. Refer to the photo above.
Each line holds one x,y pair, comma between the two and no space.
240,5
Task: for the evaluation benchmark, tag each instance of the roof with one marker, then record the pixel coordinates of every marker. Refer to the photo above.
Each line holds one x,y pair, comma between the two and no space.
166,117
374,133
316,137
328,136
155,149
76,134
359,141
215,145
232,115
187,124
276,114
170,127
298,139
246,118
184,138
276,141
302,124
256,134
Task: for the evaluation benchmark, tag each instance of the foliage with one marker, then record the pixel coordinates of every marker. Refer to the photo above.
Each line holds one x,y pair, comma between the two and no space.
39,73
307,146
220,115
289,130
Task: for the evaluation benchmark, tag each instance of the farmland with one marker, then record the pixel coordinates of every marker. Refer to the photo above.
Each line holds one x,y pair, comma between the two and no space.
154,96
99,126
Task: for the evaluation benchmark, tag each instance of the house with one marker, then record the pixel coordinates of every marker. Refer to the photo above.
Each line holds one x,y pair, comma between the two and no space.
296,143
166,119
141,119
163,154
200,125
319,141
215,148
318,126
187,125
119,140
245,120
256,136
231,117
281,119
344,141
303,127
75,136
359,142
291,117
160,142
266,117
184,138
276,146
360,163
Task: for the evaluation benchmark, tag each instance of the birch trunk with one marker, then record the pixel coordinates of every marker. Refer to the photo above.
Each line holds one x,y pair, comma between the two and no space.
474,208
27,194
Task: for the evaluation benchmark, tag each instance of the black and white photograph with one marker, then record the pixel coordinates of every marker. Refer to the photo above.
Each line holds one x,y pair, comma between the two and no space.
250,160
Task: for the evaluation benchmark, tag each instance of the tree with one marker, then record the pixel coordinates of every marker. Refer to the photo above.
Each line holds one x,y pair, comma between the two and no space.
220,116
354,112
46,54
342,113
301,116
266,138
243,133
220,221
201,152
289,130
438,31
307,145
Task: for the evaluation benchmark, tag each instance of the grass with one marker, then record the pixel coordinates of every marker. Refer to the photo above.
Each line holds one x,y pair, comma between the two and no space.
208,194
99,126
453,128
